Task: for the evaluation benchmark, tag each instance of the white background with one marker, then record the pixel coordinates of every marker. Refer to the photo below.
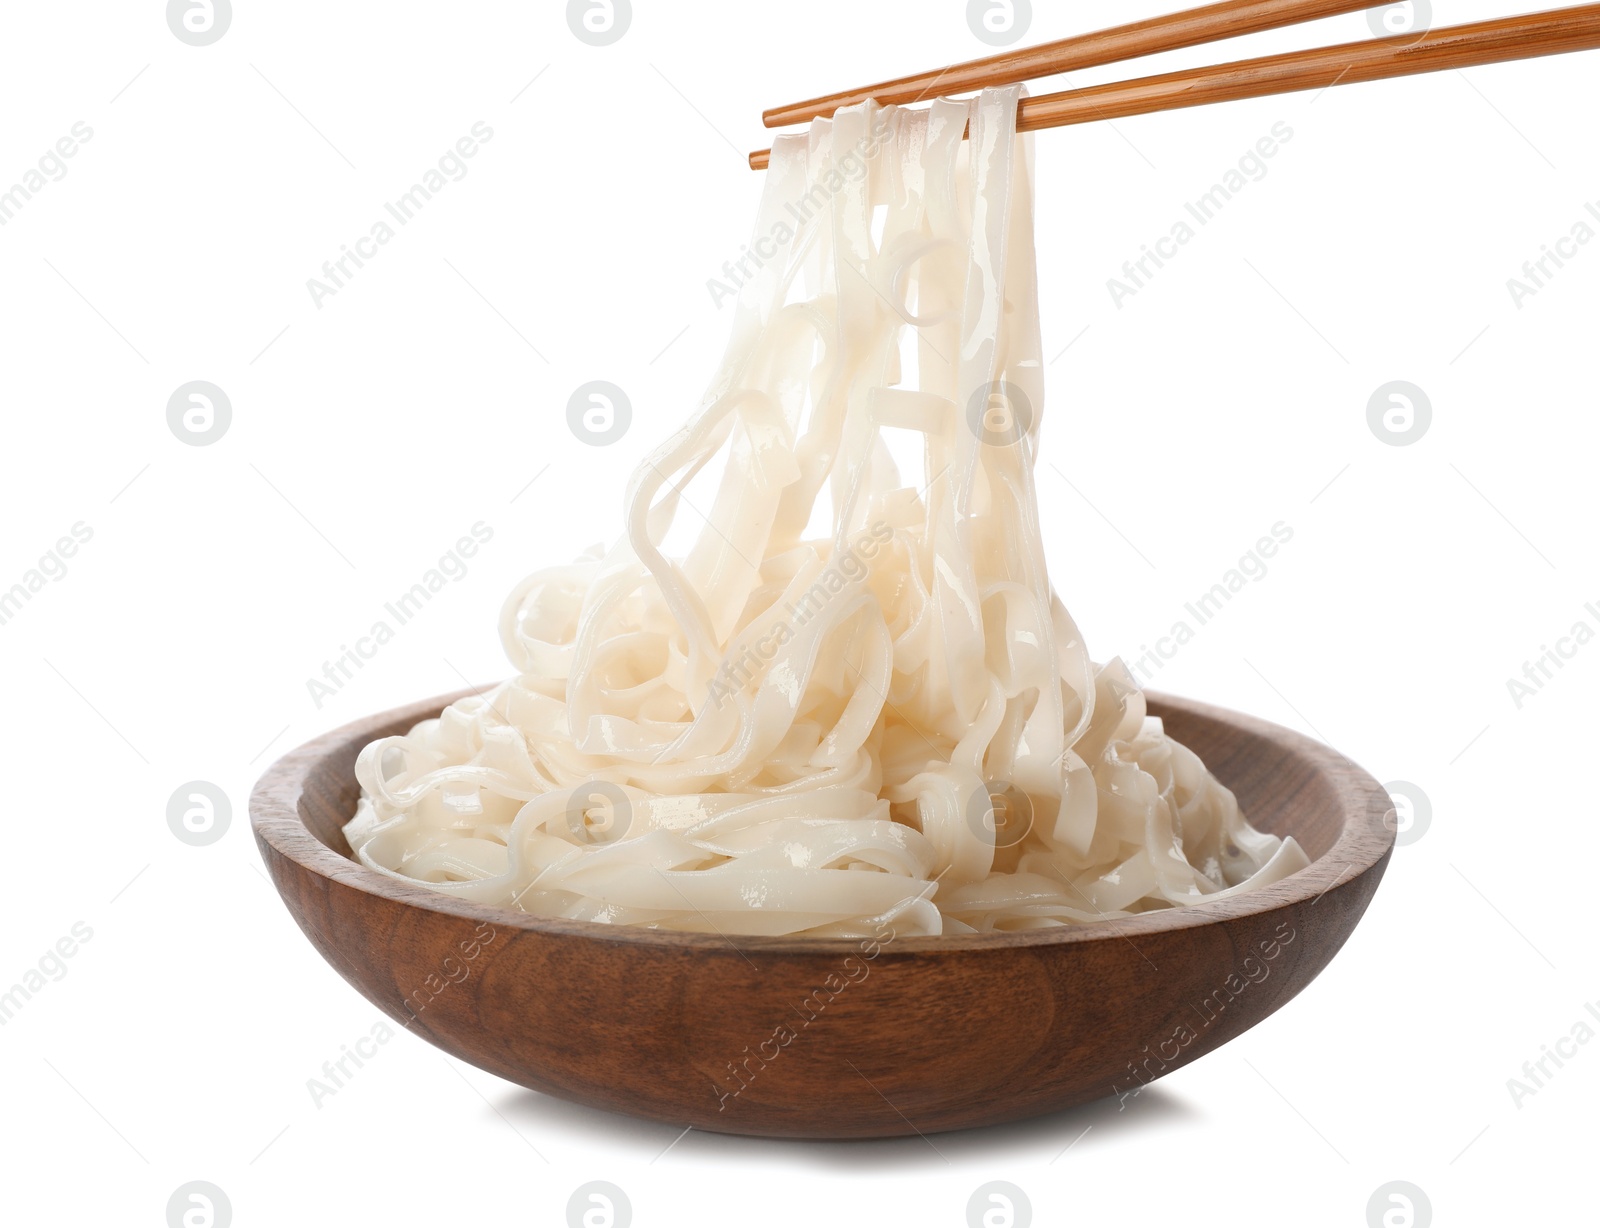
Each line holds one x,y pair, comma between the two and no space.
371,432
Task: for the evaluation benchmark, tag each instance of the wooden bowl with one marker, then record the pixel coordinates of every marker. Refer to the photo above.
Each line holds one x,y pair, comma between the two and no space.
830,1038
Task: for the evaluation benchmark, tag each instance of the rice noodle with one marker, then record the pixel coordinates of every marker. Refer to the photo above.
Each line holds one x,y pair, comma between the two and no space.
898,723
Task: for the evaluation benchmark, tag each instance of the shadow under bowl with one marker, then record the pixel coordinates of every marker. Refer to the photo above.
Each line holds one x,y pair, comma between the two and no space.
834,1038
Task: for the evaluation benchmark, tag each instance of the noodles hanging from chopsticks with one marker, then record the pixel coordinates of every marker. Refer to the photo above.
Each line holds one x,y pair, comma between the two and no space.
898,723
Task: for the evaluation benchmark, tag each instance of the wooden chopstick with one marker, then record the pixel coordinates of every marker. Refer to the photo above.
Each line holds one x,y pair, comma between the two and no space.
1215,22
1484,42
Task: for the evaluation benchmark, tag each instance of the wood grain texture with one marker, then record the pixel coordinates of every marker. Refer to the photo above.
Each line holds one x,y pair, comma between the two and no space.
824,1038
1468,46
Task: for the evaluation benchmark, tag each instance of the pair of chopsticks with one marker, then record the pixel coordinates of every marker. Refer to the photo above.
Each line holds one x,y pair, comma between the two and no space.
1484,42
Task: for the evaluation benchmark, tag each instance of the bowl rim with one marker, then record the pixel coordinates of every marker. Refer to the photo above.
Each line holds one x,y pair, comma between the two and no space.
1364,842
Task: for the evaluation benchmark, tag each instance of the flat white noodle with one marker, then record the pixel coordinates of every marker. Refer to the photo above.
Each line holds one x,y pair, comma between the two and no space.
778,735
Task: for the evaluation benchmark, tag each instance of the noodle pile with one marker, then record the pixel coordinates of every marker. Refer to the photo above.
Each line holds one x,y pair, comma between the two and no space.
896,723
